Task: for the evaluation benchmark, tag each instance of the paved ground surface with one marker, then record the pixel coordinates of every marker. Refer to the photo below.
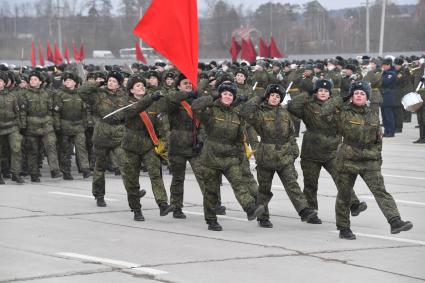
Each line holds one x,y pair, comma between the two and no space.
53,232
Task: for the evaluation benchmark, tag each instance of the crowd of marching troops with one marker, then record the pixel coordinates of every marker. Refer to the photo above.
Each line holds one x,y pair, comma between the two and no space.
139,117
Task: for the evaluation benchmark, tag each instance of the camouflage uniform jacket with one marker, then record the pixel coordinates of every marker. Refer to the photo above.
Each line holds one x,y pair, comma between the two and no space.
362,138
9,113
72,112
107,132
245,90
184,134
321,139
136,136
223,146
37,112
278,147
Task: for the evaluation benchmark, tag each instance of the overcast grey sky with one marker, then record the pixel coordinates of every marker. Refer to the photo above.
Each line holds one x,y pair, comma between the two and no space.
328,4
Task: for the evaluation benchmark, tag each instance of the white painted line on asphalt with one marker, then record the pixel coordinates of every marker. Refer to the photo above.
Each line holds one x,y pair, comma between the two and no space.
403,177
119,263
388,238
218,216
80,196
398,201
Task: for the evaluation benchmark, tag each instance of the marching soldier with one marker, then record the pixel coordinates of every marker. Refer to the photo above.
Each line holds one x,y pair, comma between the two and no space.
38,124
403,86
373,76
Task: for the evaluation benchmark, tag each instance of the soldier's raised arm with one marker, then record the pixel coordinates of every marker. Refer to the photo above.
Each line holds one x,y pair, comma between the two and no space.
296,105
249,111
89,92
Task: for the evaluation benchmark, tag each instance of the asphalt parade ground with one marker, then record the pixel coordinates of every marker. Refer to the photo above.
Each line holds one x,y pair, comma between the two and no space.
53,232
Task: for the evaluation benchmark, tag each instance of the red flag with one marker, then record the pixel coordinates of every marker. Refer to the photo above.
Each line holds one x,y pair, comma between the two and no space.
264,49
49,56
33,62
40,53
76,54
274,50
81,54
139,54
66,52
58,55
171,28
234,49
253,52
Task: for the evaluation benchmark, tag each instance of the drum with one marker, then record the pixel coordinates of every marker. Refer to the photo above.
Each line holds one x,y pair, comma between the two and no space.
412,101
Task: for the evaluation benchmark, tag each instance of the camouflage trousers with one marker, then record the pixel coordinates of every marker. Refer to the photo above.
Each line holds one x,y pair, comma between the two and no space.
65,144
12,144
375,182
33,147
311,171
212,187
101,155
178,170
131,166
288,175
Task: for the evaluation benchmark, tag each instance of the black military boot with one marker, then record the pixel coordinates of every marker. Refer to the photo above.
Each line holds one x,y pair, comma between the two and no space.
265,223
142,193
165,208
314,220
220,209
35,178
55,174
357,208
18,179
2,181
307,214
86,174
100,202
67,176
178,213
398,225
421,135
345,233
6,175
254,210
117,172
138,216
214,226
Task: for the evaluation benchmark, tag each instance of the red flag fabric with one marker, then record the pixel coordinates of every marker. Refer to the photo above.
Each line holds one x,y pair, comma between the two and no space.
66,52
33,62
234,49
40,53
81,54
139,54
58,55
76,54
248,52
253,52
264,49
274,50
171,28
49,56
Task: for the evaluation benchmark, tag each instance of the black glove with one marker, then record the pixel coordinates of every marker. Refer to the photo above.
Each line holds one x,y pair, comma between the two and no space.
192,94
423,79
22,131
243,98
156,96
102,83
198,147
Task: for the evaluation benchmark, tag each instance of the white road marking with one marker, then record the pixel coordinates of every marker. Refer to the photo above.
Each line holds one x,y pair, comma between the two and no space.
398,201
403,177
218,216
388,238
80,196
119,263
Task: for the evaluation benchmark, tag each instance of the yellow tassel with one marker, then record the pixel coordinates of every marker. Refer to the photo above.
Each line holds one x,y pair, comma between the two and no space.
248,151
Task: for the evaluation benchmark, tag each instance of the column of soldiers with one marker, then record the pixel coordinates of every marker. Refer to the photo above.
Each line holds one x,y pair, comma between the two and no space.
235,113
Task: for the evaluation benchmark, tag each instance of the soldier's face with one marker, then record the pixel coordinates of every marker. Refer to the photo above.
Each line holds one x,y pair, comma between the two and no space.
169,81
99,80
2,84
359,98
397,67
386,67
35,82
23,84
138,90
185,86
124,83
240,78
322,94
153,81
226,98
113,84
70,83
274,99
308,73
